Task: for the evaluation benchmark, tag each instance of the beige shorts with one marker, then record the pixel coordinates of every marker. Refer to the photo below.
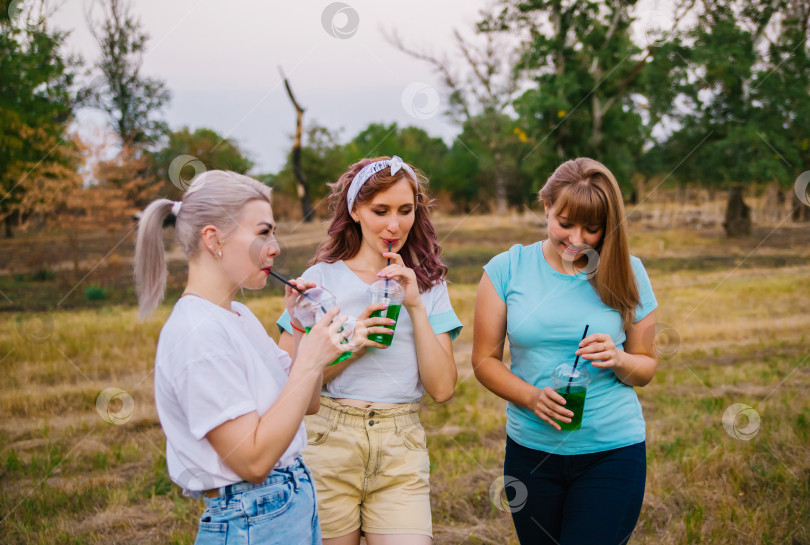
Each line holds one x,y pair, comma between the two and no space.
371,469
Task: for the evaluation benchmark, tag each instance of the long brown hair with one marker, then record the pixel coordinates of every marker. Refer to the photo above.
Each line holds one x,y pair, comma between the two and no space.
421,250
589,194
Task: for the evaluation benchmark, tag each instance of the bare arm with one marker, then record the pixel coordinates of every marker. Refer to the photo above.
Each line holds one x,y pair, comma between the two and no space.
636,364
434,353
489,332
434,356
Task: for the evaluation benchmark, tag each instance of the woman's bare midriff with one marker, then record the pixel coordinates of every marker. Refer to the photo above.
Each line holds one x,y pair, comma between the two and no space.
360,404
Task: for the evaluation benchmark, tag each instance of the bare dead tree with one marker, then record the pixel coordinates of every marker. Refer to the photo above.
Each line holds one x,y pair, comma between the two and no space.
302,187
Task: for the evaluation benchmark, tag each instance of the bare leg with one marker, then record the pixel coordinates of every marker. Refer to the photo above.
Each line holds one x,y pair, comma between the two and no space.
348,539
397,539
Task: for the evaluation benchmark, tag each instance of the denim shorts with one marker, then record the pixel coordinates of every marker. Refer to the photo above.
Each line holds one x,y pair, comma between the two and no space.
282,510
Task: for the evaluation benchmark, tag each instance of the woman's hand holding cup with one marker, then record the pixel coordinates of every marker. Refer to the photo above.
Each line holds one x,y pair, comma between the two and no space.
321,345
549,406
366,325
291,296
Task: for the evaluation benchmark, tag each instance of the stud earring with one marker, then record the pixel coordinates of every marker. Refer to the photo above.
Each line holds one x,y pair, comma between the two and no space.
219,254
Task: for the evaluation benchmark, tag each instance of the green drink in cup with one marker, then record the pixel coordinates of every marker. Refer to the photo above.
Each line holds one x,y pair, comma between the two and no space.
572,384
392,294
310,307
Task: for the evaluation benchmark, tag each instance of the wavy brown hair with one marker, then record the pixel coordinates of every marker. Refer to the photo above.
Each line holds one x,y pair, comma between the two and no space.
589,194
421,250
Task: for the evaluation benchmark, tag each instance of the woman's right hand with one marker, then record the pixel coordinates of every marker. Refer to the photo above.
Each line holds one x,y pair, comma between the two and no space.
548,405
365,326
291,296
321,346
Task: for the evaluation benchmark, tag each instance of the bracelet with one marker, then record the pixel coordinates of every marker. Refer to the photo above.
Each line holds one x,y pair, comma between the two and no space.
297,328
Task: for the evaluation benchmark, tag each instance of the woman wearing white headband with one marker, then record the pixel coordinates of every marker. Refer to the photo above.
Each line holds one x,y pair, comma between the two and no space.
366,447
230,402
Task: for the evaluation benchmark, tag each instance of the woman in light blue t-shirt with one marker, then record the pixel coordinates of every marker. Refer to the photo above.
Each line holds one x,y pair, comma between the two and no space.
366,447
580,486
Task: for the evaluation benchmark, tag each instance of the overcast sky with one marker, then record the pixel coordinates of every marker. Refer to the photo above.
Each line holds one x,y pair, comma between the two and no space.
220,62
220,59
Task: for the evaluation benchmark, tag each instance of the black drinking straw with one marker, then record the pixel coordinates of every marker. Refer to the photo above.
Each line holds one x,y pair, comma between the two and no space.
388,263
571,376
293,286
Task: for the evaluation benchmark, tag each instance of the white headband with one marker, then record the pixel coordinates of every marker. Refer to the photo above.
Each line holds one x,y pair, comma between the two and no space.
370,170
176,207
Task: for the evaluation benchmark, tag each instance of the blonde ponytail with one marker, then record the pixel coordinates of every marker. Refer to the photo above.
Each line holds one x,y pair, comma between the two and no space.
215,197
150,259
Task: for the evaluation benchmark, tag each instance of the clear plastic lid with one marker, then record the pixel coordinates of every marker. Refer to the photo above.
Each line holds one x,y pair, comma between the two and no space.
312,305
565,373
386,291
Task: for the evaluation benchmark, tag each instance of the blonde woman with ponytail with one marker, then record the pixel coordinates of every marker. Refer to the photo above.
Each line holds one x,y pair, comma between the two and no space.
230,402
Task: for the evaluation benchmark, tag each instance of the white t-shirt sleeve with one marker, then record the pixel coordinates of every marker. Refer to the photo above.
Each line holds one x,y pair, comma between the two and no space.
212,391
441,315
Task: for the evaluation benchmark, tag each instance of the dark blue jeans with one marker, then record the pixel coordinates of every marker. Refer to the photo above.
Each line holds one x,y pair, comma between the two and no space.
584,499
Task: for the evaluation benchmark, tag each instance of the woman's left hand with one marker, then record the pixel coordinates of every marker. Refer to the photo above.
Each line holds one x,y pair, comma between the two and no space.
404,276
600,350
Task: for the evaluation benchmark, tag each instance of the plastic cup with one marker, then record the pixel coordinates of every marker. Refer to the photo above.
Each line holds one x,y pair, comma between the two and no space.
392,294
310,308
572,384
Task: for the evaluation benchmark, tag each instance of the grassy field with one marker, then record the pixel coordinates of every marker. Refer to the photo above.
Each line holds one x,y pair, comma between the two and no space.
734,317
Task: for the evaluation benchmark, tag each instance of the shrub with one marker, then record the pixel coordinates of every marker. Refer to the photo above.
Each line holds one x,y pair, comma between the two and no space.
43,275
95,293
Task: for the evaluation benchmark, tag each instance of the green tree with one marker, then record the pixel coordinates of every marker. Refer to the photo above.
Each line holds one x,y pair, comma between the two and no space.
36,106
589,79
322,161
324,158
131,101
480,85
212,149
413,144
741,120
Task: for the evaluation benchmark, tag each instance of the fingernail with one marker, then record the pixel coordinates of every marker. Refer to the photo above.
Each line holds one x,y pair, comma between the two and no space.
578,352
392,322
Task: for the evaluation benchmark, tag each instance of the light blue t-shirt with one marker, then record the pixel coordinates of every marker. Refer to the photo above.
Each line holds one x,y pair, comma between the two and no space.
546,315
388,375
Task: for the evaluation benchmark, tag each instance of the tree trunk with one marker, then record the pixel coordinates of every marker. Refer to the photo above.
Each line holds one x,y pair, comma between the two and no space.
773,202
596,131
501,204
800,212
8,222
639,190
302,187
738,214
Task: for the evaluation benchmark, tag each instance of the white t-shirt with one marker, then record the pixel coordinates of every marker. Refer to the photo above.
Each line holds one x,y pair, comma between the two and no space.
388,375
213,366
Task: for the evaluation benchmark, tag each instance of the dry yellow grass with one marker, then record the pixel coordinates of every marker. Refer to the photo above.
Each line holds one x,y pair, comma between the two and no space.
738,334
